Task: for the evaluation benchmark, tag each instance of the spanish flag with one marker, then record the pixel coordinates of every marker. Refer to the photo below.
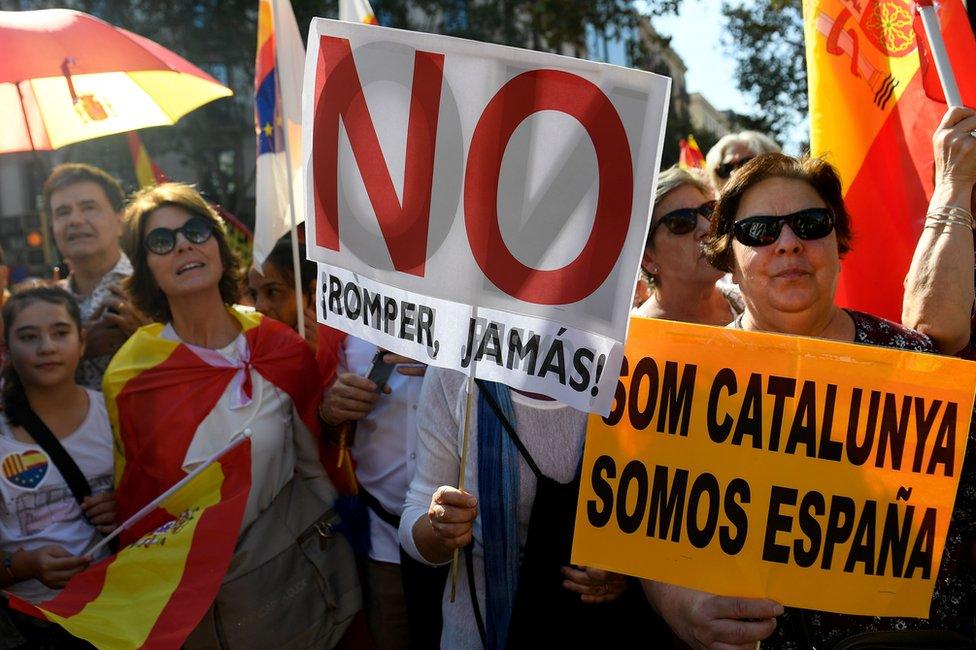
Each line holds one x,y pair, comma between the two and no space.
158,391
147,172
153,593
690,156
870,117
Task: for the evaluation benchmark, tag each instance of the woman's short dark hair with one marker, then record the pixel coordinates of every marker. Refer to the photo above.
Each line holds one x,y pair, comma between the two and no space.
14,397
817,173
146,294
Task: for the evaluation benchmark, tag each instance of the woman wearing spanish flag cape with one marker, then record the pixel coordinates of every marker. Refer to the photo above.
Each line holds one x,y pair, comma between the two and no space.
180,389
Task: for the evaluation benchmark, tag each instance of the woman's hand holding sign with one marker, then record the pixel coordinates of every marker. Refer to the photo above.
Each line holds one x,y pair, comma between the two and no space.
713,622
594,585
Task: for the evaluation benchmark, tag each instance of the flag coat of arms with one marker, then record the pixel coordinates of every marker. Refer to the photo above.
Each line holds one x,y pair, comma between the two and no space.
871,118
152,593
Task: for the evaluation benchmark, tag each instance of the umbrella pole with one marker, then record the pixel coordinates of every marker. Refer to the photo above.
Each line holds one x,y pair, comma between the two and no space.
23,110
296,263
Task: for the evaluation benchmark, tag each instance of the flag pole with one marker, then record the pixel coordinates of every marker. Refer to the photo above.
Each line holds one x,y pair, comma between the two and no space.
940,56
152,505
466,427
296,264
455,560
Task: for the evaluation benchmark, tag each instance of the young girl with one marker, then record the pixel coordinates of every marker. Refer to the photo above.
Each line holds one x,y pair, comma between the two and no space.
44,531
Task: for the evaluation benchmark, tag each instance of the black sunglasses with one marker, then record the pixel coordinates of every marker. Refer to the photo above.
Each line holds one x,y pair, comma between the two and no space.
814,223
683,220
725,169
162,241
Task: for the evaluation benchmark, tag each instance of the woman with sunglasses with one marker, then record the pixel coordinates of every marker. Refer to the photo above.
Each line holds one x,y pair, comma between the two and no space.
683,286
780,227
733,151
181,389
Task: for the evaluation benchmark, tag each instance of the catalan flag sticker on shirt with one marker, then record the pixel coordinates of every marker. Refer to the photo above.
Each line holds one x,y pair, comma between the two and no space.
25,470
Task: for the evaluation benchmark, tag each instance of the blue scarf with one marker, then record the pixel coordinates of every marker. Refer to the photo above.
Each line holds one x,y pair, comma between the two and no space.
498,490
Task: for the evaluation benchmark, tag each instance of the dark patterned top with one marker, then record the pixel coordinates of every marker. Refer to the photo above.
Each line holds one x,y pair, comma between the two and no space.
954,598
92,369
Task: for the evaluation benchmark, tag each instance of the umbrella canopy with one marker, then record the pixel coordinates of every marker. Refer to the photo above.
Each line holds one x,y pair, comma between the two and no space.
66,76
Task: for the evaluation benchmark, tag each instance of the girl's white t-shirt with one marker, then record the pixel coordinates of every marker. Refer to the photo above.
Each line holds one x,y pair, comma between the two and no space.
37,507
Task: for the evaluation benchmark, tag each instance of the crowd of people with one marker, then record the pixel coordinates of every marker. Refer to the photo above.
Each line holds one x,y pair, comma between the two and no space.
158,348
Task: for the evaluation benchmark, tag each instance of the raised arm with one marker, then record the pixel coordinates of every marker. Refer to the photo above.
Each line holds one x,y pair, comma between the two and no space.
939,287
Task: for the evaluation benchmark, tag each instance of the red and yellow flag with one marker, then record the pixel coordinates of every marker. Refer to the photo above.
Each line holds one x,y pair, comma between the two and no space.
158,391
870,117
690,156
147,172
153,593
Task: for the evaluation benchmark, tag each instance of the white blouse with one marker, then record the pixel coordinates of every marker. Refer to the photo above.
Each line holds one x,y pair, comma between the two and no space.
281,444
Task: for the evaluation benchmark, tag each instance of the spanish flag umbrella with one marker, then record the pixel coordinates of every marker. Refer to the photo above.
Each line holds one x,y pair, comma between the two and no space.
66,76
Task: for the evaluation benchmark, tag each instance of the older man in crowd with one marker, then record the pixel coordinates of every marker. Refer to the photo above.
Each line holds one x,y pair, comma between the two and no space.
86,209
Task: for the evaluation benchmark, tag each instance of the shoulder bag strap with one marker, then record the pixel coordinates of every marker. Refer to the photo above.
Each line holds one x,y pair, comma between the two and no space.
475,607
47,441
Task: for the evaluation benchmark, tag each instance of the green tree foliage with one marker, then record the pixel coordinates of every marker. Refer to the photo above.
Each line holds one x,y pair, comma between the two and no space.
766,40
550,25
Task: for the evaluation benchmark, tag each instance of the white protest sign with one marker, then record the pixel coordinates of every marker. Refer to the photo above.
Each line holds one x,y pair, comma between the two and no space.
478,205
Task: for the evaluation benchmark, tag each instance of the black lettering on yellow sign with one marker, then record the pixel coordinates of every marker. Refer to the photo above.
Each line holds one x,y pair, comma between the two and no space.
790,416
807,530
666,505
877,542
669,395
877,430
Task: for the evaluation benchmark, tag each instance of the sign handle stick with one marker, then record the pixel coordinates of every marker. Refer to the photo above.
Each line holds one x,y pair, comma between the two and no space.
933,33
464,461
295,261
152,505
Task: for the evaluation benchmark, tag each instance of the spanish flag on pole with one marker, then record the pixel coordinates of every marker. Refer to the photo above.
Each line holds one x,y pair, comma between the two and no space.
153,593
870,117
278,70
147,172
690,156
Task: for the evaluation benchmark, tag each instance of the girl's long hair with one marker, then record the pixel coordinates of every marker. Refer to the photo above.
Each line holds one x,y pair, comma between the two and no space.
13,394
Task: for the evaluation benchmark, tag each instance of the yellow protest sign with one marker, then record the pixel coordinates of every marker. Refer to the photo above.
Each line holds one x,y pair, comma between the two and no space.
816,473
